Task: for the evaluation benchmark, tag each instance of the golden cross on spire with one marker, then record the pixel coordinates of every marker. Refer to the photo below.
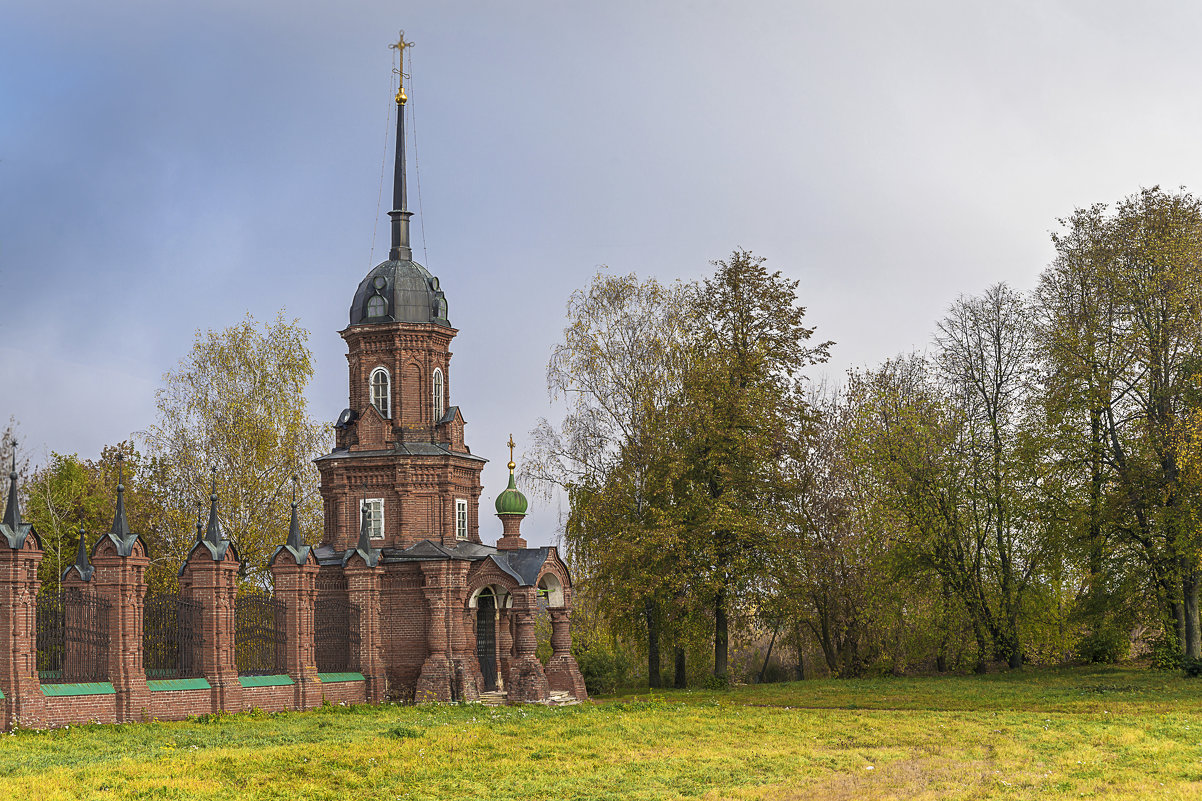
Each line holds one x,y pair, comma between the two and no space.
511,446
400,46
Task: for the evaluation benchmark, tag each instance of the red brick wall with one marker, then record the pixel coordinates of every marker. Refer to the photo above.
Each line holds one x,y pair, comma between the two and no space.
270,699
179,704
63,710
404,617
344,692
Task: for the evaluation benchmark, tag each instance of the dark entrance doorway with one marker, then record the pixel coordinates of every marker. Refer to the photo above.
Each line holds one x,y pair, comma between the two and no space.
486,638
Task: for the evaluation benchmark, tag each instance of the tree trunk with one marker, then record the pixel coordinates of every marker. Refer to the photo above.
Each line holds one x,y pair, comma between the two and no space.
680,679
721,634
1179,620
767,656
982,652
1189,587
653,674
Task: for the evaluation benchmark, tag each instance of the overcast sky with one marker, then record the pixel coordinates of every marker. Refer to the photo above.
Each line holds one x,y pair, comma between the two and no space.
168,167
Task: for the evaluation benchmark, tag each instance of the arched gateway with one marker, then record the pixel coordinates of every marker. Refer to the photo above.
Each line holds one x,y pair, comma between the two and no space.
450,617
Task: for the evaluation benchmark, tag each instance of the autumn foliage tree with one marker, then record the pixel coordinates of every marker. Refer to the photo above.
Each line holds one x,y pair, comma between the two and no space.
234,411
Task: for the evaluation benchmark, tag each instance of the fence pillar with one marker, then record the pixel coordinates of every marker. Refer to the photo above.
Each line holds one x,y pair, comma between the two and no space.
213,585
563,674
363,586
209,576
23,704
527,682
294,573
20,555
120,580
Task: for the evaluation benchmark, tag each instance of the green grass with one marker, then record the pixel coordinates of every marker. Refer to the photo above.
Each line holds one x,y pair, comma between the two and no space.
1071,733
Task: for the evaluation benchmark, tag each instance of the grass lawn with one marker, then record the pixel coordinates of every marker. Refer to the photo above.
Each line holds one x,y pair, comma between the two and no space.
1067,733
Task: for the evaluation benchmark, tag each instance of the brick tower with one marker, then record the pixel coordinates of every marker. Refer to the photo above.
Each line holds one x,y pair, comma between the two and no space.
439,615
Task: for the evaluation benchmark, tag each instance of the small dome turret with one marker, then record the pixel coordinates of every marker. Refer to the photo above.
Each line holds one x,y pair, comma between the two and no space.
511,501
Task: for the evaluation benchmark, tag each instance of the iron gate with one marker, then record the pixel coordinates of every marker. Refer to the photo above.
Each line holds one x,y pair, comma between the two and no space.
72,637
486,639
171,637
259,634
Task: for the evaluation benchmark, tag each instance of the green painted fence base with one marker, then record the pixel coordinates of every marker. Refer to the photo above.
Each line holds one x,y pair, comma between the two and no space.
91,688
164,685
265,681
330,678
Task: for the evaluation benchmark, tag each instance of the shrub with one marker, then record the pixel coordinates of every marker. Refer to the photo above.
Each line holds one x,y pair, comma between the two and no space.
1166,654
604,670
1192,666
1104,645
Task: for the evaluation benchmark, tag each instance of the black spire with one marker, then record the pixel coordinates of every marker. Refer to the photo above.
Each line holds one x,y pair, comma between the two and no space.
82,565
120,534
12,512
213,538
400,214
295,540
120,529
213,534
364,530
295,544
371,556
11,527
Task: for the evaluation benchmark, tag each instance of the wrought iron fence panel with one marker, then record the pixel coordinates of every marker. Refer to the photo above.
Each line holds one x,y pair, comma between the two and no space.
171,637
72,637
259,634
336,635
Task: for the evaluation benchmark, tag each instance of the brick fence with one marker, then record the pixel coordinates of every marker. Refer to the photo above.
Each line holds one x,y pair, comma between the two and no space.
208,580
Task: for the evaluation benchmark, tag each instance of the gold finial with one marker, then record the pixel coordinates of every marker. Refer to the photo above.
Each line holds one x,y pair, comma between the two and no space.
511,445
400,46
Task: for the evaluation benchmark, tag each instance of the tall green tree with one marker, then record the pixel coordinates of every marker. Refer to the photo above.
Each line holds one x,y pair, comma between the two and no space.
1122,305
743,412
616,369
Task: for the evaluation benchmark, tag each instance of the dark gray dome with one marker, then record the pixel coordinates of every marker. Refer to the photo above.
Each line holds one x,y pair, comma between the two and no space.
402,291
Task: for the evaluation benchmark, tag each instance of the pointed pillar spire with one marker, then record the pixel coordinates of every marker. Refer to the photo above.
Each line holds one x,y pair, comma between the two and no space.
371,556
213,534
82,565
120,529
120,535
12,512
400,214
364,543
295,539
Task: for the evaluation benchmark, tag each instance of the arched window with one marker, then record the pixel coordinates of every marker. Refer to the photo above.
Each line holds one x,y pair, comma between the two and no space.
376,307
439,404
380,394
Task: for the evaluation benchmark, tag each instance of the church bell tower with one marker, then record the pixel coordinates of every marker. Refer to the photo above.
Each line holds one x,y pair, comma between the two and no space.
400,458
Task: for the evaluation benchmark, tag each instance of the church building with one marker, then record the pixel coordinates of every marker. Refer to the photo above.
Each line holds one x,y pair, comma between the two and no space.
401,492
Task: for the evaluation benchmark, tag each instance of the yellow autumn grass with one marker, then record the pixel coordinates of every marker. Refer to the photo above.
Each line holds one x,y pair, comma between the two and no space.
1113,733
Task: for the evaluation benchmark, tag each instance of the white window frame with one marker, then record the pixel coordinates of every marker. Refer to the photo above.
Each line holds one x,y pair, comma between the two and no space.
375,517
439,391
462,525
386,412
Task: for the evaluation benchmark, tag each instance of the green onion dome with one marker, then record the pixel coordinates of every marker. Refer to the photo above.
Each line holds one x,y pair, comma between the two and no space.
511,501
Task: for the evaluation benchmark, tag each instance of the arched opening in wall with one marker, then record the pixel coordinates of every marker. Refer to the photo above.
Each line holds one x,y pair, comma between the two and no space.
486,637
550,596
381,391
